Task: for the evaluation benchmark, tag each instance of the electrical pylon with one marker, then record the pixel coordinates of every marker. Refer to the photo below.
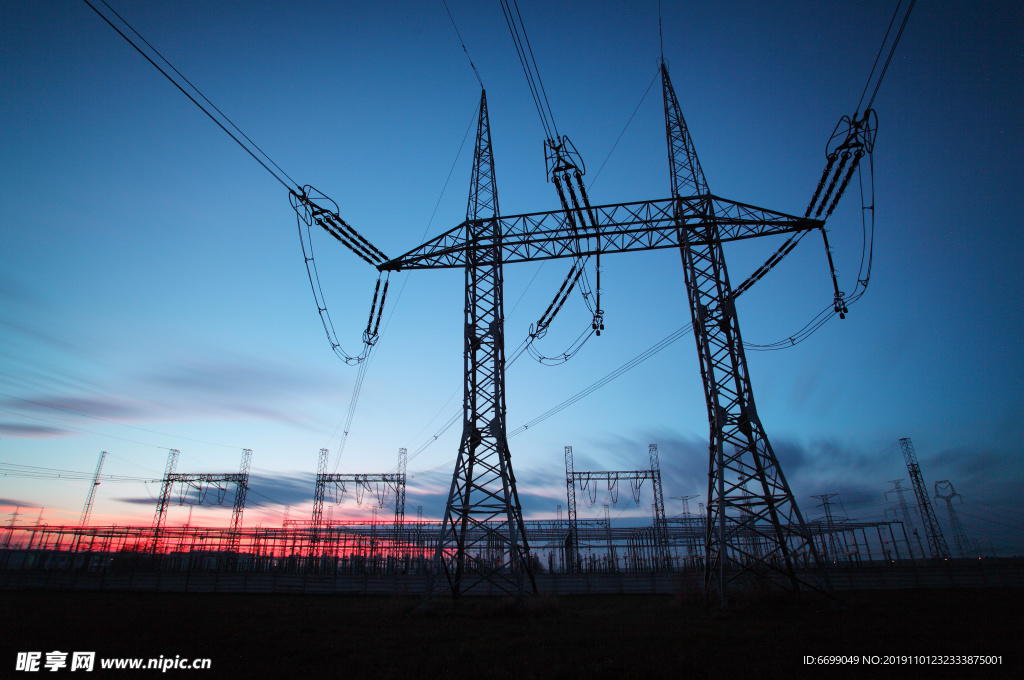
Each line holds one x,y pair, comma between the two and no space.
165,496
196,481
936,541
946,492
904,510
572,541
87,508
483,495
830,547
241,488
746,487
697,223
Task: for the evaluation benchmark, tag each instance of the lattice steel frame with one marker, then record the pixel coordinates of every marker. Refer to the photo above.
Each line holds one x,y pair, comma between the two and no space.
747,490
482,532
393,481
936,541
612,478
91,497
963,546
240,479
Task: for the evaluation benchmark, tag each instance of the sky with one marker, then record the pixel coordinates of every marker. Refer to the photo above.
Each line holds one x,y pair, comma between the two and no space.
153,293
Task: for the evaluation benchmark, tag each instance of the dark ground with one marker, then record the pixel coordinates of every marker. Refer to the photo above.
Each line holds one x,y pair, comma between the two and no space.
283,636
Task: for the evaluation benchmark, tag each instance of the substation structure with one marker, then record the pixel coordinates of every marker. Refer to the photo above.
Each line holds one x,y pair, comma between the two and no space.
327,548
339,548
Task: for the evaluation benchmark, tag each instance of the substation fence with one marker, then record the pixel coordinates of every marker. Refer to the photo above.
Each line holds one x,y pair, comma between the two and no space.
382,558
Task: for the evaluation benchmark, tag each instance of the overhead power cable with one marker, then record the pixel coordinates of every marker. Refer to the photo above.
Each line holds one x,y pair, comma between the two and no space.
293,184
585,392
37,472
624,128
357,388
593,387
861,132
307,202
463,43
892,51
517,29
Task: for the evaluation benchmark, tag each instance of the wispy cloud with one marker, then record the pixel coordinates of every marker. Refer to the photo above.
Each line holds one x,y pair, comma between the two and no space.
32,431
236,388
14,502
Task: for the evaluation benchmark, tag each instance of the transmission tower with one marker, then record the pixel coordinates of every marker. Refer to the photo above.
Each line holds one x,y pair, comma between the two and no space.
660,525
936,542
696,222
586,480
483,510
238,507
739,448
403,462
91,496
199,483
384,483
831,549
318,493
946,492
613,560
165,497
572,540
904,511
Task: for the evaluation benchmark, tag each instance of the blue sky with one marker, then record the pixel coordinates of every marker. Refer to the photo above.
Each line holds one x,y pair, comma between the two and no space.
151,278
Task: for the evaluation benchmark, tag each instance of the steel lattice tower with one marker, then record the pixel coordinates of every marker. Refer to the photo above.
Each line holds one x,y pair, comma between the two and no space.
936,542
196,481
946,492
87,508
904,511
241,487
483,494
739,448
403,462
831,549
165,496
572,540
660,524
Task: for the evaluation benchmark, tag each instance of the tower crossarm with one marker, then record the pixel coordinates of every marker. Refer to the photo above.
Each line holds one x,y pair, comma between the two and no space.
612,475
621,227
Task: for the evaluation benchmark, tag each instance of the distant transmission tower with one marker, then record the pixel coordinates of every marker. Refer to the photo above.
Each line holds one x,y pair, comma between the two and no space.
936,542
165,496
946,492
91,496
572,540
831,548
904,512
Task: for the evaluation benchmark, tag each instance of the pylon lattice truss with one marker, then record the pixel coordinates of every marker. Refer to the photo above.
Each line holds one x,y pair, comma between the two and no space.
747,490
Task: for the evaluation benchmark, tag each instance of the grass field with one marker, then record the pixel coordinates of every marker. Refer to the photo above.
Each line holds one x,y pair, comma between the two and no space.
282,636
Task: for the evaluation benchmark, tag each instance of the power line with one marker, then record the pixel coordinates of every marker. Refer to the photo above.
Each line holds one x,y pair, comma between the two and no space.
892,51
525,53
463,43
625,127
593,387
294,185
364,365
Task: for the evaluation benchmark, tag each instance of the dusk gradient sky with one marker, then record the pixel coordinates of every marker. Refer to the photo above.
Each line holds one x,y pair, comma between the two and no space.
153,293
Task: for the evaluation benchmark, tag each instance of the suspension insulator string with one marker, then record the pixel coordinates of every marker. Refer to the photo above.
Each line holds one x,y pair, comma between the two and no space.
380,310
